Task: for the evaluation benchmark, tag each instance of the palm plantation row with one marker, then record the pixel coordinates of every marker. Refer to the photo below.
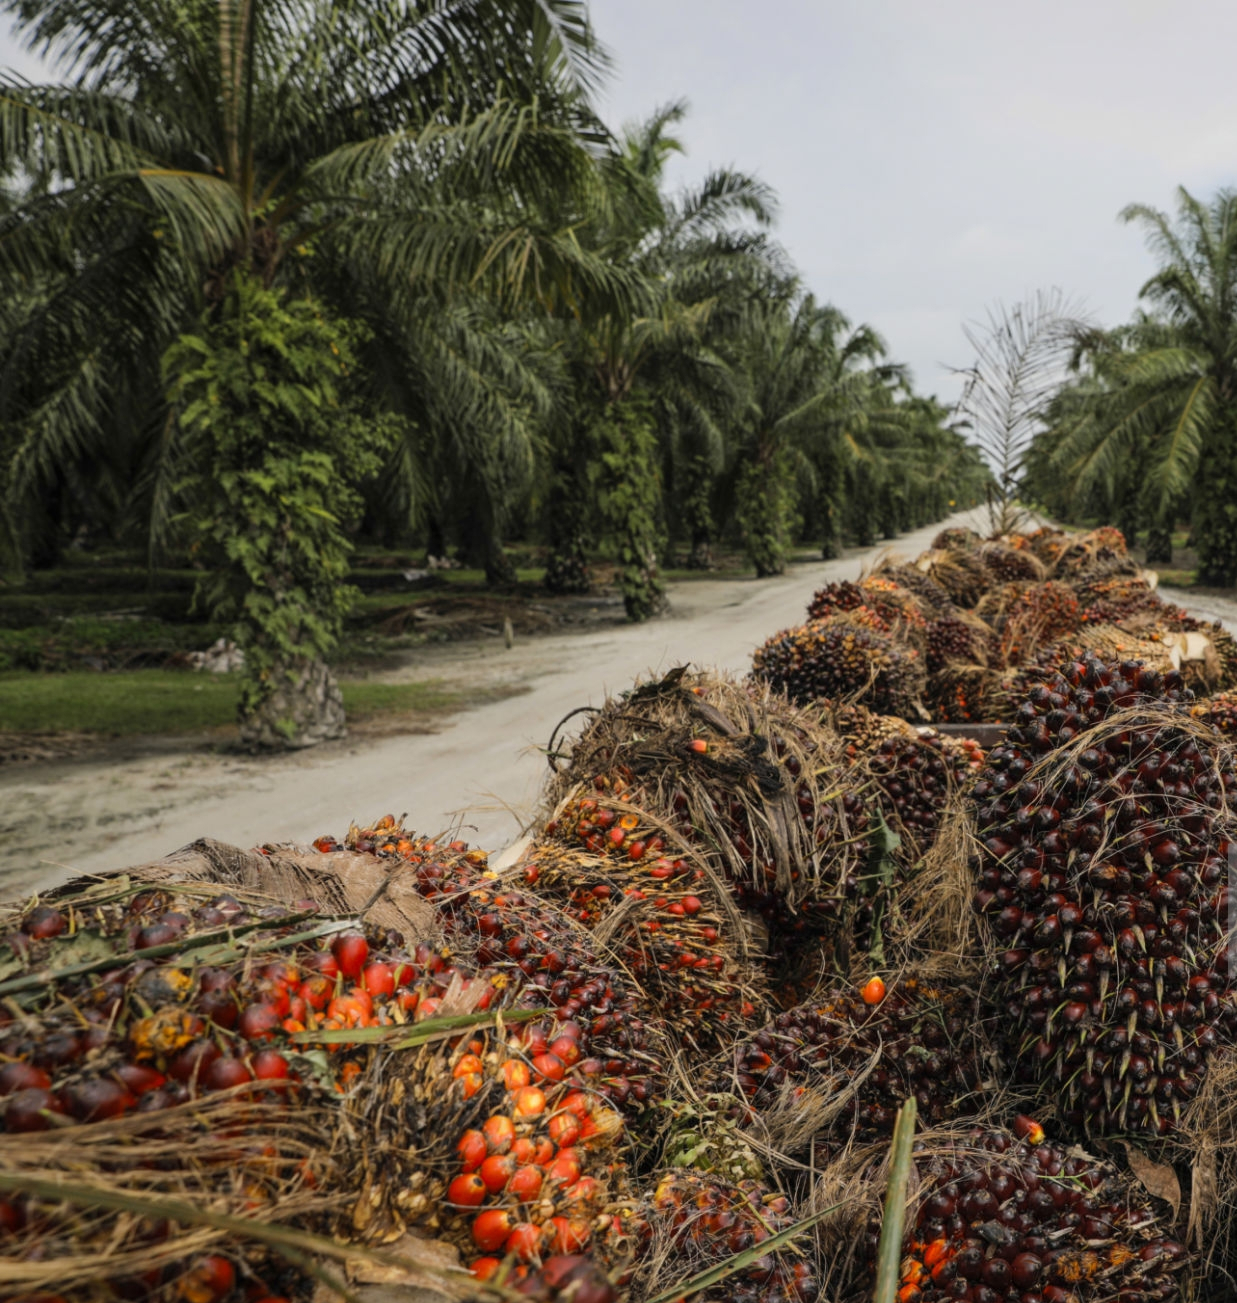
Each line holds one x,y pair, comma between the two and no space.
1144,432
276,271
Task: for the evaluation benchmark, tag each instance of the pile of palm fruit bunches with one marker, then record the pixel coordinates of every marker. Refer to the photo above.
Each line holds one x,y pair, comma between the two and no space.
659,1051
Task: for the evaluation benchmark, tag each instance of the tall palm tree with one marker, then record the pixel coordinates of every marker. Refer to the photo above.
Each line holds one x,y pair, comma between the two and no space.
424,142
655,363
813,383
1168,399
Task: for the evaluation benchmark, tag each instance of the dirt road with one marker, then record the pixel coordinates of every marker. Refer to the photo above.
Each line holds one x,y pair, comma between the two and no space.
480,773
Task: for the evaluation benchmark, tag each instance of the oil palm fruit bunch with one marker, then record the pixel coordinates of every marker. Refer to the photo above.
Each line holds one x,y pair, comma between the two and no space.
1220,711
524,943
915,778
881,1043
962,574
957,538
835,597
743,779
1032,614
1047,544
932,597
898,605
835,660
673,933
1009,1217
1105,833
1010,564
963,694
227,1040
698,1219
539,1174
949,640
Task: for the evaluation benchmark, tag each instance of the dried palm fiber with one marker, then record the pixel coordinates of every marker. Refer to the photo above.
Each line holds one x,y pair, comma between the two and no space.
696,1220
961,574
957,538
837,660
1012,564
1106,826
1223,645
934,599
750,783
834,1071
1004,1213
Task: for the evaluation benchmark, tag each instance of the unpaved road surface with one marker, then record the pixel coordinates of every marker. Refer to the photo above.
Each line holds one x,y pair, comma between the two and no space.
480,773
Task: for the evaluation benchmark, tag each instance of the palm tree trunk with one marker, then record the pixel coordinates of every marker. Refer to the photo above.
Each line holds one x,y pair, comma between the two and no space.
1215,510
1159,545
300,705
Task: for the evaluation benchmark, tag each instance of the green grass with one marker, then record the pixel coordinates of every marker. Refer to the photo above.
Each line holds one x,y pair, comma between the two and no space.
171,702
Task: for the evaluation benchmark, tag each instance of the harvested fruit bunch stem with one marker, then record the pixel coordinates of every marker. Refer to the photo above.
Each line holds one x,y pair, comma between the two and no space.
1106,825
836,660
1009,1217
865,1051
747,781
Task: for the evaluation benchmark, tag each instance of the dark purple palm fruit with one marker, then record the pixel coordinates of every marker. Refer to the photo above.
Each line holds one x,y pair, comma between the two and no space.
1103,889
1006,1217
915,778
886,1044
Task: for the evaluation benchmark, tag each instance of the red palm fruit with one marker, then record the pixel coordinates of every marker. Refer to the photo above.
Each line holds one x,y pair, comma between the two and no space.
526,1184
27,1110
579,1278
428,1008
282,973
468,1190
473,1149
351,950
317,991
210,1278
270,1065
259,1022
564,1129
516,1074
585,1190
467,1063
138,1078
565,1168
484,1268
471,1084
496,1171
22,1076
379,980
529,1102
44,922
550,1067
567,1049
873,991
499,1132
96,1098
193,1060
524,1241
569,1234
324,962
698,745
576,1101
490,1229
226,1072
1028,1129
535,1041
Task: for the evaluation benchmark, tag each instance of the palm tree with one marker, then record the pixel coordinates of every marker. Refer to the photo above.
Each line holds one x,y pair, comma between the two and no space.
421,142
813,387
653,366
308,144
1166,399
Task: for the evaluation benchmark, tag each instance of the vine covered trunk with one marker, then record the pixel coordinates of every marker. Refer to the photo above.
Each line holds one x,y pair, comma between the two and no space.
1215,509
300,706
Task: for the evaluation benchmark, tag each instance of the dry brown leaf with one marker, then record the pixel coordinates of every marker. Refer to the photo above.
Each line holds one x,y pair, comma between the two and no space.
1158,1179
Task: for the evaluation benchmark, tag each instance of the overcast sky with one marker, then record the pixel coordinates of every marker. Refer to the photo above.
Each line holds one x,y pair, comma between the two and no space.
934,156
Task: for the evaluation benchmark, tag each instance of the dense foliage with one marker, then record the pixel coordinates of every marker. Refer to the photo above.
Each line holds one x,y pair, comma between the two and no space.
577,358
1146,431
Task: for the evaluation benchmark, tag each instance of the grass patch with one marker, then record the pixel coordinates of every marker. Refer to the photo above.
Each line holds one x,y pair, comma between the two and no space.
174,702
